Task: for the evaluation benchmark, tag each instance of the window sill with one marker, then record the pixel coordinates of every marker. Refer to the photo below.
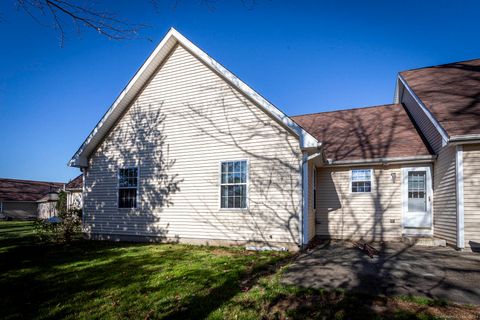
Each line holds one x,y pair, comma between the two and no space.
233,209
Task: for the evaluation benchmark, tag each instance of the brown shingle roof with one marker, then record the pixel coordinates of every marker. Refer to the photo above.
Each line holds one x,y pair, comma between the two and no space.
76,183
25,190
452,94
365,133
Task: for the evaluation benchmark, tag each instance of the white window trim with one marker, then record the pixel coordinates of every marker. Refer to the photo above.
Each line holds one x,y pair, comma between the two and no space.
220,186
138,187
371,180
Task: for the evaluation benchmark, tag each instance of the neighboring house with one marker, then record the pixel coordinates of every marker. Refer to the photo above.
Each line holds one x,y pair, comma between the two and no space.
74,193
190,153
26,199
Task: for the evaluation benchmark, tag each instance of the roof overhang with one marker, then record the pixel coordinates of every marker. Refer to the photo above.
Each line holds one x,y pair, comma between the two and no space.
401,82
382,161
147,70
465,139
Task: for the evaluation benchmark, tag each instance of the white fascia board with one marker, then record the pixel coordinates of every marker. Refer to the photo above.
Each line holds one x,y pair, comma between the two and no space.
148,68
427,112
396,95
464,139
416,159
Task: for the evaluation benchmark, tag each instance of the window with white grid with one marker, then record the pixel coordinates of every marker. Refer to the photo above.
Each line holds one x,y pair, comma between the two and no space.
361,180
127,187
233,184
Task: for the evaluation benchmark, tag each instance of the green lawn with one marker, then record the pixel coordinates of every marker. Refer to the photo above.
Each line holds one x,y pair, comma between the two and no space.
103,280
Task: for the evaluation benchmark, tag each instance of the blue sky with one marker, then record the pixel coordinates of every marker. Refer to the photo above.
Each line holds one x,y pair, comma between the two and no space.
304,56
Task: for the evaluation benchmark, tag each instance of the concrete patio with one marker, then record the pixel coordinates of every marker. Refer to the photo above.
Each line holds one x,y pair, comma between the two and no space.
399,269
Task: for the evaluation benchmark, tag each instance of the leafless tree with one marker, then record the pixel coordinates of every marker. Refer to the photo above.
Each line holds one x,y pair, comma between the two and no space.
65,14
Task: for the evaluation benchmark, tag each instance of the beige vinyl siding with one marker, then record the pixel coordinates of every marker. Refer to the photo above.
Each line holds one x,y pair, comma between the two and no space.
471,191
422,121
344,215
187,120
444,196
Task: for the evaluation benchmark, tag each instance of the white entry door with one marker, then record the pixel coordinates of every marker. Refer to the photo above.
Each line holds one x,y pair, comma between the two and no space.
417,197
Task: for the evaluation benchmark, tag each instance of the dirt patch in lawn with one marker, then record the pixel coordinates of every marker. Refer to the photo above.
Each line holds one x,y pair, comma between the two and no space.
344,306
446,311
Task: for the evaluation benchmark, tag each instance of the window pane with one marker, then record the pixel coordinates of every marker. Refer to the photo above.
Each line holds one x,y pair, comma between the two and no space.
127,177
368,186
236,202
127,198
361,186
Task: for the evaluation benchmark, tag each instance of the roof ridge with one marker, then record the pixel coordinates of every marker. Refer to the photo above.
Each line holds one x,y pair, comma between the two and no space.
439,65
29,181
349,109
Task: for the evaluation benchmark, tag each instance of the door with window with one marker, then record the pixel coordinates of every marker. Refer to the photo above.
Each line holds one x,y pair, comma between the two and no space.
417,197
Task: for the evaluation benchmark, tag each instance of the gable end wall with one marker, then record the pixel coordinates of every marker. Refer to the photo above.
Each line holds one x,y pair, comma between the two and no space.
185,121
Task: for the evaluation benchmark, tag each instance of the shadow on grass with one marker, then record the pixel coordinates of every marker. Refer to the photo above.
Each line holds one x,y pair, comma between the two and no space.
88,279
106,280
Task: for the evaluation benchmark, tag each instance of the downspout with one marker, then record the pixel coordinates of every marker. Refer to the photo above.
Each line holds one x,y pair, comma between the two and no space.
460,204
83,170
304,217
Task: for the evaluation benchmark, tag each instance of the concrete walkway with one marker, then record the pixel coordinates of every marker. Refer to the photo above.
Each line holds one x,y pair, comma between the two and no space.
434,272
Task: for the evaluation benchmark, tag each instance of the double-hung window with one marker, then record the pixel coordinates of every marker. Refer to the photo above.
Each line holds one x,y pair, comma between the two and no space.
361,180
233,184
127,187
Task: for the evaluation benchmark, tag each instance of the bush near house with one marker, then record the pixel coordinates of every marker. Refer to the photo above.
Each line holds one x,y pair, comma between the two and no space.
103,280
63,228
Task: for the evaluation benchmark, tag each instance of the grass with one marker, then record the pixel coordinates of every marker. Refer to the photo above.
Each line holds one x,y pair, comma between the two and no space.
104,280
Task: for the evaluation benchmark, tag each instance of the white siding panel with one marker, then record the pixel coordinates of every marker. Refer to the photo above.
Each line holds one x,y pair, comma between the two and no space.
471,191
345,215
444,196
187,120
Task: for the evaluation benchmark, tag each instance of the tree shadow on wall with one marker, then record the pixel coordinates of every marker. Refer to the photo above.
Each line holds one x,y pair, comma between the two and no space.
138,141
233,124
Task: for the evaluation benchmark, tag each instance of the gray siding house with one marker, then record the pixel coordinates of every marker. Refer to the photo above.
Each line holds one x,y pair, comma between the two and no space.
190,153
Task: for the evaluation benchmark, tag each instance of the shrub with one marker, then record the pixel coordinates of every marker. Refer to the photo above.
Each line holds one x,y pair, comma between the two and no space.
68,225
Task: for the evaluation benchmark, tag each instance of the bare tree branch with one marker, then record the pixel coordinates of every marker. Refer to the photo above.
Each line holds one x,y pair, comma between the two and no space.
81,16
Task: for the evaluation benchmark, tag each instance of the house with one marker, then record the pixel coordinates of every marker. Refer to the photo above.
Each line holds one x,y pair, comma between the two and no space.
190,153
74,190
26,199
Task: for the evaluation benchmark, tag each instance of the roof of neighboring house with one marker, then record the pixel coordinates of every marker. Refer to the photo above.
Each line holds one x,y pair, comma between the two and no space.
76,183
148,69
25,190
451,92
365,133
